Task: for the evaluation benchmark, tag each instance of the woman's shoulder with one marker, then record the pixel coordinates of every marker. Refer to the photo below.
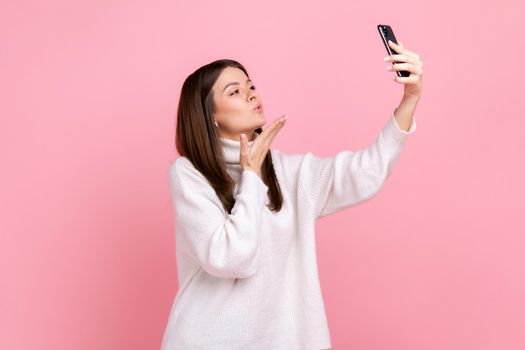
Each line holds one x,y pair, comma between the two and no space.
177,163
183,167
180,161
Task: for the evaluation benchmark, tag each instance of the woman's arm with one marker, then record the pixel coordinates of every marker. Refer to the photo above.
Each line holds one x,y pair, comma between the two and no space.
223,245
404,113
350,177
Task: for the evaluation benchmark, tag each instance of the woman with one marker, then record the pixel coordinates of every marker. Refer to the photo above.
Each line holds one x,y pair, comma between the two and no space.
245,215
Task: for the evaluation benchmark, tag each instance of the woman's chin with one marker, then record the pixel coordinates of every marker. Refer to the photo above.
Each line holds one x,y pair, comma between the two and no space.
259,115
262,120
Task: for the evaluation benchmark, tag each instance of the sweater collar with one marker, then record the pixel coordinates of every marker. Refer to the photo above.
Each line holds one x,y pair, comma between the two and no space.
232,149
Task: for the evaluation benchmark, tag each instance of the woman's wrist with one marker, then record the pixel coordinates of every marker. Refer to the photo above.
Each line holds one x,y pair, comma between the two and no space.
411,97
258,172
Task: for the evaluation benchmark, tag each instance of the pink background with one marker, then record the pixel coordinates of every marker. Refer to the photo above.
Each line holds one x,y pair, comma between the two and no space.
89,91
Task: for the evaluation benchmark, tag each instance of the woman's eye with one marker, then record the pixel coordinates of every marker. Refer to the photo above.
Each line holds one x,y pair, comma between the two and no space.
236,91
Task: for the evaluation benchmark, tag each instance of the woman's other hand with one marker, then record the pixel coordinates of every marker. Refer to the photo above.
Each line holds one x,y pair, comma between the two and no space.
252,158
409,61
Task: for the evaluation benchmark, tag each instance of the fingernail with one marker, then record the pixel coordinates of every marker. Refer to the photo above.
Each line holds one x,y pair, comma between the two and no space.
285,118
243,136
386,58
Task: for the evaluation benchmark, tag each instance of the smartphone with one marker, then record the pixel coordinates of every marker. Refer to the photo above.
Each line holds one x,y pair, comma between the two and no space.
386,33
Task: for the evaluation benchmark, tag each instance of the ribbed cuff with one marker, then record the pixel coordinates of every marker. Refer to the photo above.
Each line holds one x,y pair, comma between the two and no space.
410,130
395,132
252,181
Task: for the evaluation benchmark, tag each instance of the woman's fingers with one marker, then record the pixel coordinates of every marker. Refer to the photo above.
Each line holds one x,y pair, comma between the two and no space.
269,130
253,157
400,58
405,66
403,53
399,48
262,144
273,133
404,60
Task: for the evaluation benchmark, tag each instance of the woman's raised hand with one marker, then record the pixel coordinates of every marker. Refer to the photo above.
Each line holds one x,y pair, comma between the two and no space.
253,158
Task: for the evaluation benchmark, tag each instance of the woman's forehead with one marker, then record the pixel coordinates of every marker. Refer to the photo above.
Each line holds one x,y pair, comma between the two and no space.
232,74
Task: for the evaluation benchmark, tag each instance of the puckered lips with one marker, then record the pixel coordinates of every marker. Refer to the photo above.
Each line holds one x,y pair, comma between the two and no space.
258,108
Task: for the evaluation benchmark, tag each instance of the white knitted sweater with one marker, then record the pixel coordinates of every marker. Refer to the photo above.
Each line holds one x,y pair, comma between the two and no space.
249,280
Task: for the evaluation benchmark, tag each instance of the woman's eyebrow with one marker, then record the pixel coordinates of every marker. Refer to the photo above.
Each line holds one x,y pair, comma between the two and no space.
235,83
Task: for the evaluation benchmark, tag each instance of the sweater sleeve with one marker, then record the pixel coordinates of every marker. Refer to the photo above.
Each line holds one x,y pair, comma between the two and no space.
224,245
351,177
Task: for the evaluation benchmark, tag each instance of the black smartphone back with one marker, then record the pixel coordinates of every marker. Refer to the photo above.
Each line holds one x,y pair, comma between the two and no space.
387,33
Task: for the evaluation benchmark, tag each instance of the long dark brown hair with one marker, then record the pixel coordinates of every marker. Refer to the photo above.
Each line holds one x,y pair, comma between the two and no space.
197,139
